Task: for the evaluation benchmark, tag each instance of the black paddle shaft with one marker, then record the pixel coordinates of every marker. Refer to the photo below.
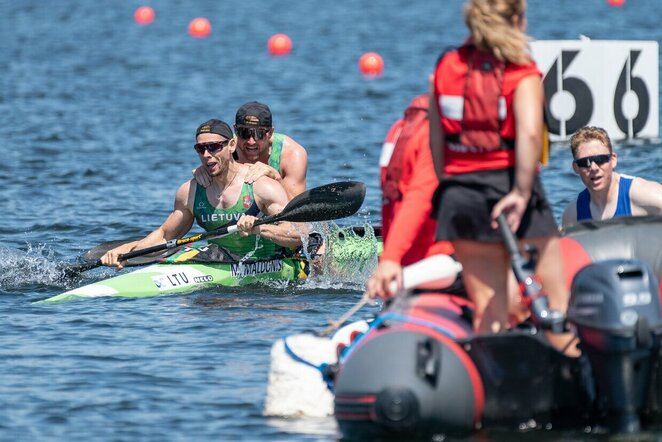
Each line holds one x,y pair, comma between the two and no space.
541,314
323,203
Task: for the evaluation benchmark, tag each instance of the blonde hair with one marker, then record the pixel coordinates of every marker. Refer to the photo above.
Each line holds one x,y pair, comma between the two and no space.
490,23
589,133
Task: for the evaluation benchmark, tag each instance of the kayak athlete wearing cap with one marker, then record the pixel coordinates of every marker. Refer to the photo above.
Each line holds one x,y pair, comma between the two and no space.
267,152
227,199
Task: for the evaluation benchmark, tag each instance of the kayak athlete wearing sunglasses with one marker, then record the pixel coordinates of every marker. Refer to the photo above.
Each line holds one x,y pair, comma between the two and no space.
608,194
267,152
227,200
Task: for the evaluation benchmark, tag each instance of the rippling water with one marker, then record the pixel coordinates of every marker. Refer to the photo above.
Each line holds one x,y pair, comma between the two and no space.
97,126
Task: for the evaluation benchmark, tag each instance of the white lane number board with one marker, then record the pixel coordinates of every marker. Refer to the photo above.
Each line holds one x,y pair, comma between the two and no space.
611,84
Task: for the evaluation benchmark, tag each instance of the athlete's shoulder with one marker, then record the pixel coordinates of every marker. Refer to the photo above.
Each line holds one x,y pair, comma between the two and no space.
294,155
186,187
645,192
292,146
185,194
265,186
268,191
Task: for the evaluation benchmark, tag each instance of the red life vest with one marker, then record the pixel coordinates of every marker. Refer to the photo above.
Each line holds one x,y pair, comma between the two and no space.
408,173
475,92
400,134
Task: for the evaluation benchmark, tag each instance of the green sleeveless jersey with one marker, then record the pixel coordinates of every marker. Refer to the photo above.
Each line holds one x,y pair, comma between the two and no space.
276,151
211,218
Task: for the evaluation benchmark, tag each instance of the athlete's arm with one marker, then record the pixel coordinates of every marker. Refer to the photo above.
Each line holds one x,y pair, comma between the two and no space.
646,197
293,165
271,199
176,225
528,108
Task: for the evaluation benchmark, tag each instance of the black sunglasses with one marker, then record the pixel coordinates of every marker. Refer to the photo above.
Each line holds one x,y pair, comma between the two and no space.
599,160
258,133
212,147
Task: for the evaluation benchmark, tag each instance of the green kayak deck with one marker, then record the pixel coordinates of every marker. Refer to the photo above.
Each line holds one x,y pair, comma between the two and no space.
169,279
352,251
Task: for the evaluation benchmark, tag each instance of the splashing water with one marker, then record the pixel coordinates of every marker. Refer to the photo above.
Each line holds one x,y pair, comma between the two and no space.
347,259
35,266
350,256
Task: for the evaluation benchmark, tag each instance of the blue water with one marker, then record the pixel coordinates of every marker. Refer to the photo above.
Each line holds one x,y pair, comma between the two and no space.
98,116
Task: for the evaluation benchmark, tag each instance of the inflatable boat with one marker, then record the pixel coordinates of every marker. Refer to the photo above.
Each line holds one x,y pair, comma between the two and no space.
419,369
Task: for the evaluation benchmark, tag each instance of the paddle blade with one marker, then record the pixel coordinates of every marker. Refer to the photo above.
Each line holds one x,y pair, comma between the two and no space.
323,203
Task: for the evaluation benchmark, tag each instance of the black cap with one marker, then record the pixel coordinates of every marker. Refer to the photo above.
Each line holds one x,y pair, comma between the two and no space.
253,114
215,126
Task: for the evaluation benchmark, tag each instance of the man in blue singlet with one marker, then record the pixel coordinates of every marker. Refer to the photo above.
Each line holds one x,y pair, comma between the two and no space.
608,194
267,152
227,200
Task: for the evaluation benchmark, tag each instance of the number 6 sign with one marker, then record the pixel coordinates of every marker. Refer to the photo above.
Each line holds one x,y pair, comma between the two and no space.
611,84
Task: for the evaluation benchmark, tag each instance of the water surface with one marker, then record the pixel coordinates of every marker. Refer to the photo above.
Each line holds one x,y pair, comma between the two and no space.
98,118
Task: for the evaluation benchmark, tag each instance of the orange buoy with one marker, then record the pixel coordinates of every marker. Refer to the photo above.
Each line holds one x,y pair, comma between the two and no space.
199,27
144,15
616,2
371,64
279,44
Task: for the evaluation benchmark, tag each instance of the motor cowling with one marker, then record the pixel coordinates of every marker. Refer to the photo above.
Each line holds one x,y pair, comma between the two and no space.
615,307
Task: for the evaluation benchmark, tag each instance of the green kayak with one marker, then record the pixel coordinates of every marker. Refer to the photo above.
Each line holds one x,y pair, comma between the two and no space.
168,279
181,274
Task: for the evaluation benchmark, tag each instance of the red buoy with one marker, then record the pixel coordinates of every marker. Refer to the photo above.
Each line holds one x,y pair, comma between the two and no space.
279,44
144,15
616,2
199,27
371,64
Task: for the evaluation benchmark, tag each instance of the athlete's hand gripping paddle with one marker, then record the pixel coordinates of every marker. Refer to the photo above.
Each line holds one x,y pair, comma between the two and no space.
541,315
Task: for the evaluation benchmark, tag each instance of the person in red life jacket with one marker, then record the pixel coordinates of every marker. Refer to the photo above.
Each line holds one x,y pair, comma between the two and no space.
486,137
607,194
408,181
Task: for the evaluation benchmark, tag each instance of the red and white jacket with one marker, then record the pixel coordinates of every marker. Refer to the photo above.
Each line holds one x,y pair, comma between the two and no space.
408,181
474,92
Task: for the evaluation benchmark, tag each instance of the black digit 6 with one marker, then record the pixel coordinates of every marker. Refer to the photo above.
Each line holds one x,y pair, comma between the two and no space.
638,86
576,87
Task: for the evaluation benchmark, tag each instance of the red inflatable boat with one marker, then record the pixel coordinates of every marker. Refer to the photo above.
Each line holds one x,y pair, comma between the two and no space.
420,370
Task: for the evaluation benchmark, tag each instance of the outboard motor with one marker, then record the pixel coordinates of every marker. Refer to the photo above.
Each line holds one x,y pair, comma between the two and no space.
615,308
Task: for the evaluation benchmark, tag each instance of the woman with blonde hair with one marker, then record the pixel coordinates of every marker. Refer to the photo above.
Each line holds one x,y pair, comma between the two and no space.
486,136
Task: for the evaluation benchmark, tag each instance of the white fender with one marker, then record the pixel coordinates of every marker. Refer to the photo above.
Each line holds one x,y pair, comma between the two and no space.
437,271
296,389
